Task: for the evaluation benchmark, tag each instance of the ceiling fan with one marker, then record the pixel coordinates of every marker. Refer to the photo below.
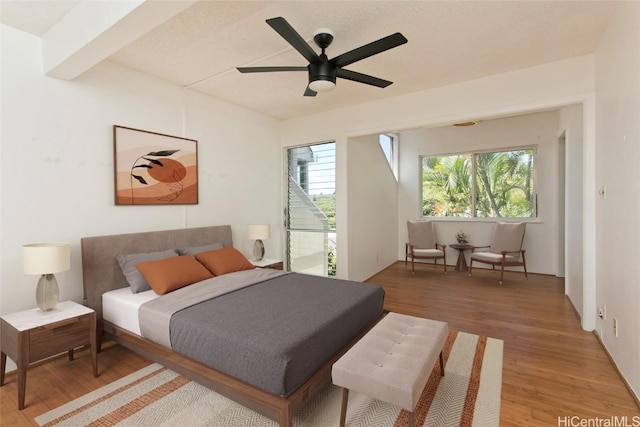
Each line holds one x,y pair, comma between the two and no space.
322,70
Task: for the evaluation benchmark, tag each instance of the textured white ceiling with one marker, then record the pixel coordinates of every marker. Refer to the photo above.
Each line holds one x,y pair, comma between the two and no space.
449,42
35,16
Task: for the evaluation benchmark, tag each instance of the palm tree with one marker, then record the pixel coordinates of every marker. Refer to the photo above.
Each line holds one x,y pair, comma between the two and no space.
503,184
446,186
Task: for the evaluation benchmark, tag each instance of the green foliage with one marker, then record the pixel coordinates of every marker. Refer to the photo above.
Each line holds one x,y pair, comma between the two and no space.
503,185
327,204
332,259
446,186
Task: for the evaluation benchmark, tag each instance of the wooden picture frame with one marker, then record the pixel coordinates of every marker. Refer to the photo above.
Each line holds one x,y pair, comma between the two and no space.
154,169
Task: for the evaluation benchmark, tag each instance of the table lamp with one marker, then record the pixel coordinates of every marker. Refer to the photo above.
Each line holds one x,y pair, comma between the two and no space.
258,232
46,259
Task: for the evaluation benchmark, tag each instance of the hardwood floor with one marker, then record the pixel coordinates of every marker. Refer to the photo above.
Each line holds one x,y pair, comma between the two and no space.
552,368
57,381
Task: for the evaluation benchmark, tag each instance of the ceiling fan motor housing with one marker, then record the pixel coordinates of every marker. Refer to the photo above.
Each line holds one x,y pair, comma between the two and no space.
322,71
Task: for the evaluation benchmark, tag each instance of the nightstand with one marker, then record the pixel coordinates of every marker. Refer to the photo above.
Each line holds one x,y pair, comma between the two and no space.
32,335
275,264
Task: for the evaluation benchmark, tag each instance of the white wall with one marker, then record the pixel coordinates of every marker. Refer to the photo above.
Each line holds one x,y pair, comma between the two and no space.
373,208
532,130
56,154
617,77
571,127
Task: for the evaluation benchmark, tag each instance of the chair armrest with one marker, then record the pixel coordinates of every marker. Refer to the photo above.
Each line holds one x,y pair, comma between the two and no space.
512,252
443,246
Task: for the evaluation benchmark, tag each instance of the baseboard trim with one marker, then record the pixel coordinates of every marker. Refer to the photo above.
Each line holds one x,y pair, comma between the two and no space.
615,365
574,308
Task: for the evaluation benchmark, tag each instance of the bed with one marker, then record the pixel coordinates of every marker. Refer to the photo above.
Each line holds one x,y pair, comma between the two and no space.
286,381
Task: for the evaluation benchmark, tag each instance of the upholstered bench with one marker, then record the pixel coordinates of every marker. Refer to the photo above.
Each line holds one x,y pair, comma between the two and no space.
392,362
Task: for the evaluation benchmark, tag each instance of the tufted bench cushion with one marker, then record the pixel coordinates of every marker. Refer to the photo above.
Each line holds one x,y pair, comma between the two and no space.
393,361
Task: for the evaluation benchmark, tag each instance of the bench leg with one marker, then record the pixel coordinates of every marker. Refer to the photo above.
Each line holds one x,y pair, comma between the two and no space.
343,410
412,419
441,364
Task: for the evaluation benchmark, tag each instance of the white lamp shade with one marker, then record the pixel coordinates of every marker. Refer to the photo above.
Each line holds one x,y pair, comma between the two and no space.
258,231
46,258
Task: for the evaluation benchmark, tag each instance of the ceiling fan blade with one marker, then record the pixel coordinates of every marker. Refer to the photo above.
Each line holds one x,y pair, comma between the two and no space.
287,32
368,50
269,69
362,78
309,92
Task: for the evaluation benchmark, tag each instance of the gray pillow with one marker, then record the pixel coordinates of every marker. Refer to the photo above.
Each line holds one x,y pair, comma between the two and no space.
134,277
192,250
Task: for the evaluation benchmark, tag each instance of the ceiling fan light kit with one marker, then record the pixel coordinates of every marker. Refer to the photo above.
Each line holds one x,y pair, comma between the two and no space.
322,85
323,71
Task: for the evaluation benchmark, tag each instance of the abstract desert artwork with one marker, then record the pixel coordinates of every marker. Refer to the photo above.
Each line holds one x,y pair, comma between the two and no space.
153,168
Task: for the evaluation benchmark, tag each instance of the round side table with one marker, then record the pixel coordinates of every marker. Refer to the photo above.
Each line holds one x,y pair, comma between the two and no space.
461,265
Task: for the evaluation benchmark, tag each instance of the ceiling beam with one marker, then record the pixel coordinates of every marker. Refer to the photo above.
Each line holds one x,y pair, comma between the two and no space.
94,30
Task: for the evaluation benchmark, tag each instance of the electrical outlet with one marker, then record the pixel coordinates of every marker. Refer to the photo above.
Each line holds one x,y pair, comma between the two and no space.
602,192
602,311
615,327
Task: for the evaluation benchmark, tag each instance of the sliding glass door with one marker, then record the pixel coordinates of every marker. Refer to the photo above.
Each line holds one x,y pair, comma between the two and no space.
311,209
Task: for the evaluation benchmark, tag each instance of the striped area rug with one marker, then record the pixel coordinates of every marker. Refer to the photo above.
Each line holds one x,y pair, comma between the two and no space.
468,395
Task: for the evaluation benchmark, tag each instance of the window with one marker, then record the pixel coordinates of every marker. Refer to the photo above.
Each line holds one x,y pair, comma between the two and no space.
386,143
496,184
311,209
389,145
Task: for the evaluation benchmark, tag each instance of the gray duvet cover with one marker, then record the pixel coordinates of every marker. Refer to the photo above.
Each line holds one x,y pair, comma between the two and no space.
276,333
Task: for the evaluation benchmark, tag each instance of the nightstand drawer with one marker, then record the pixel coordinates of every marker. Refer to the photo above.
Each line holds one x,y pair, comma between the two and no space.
55,338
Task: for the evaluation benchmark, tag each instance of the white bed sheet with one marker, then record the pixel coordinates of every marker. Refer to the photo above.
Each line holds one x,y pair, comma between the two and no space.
120,307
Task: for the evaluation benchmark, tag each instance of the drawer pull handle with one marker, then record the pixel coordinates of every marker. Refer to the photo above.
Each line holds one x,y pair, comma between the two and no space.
61,323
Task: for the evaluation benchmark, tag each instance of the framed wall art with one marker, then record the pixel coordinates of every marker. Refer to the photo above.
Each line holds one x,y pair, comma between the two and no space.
154,169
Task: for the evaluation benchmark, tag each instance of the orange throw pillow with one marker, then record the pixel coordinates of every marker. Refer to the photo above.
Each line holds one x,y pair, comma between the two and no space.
225,260
169,274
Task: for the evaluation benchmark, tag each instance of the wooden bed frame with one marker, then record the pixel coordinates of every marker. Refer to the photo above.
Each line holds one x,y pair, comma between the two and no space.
101,273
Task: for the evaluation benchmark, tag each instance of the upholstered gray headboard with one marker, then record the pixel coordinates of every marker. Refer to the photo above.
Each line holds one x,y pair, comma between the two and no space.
100,270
